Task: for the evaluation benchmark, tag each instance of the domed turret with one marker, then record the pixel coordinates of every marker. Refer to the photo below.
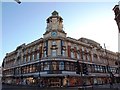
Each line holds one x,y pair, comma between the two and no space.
54,25
54,22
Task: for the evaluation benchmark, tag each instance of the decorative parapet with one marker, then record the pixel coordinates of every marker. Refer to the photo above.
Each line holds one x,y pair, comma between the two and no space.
90,42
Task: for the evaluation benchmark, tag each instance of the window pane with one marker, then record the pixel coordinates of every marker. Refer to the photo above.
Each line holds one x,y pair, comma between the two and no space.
28,58
84,58
61,66
62,43
46,66
72,66
67,67
72,54
24,59
78,55
45,54
54,65
33,57
63,52
42,66
53,42
88,57
53,52
37,55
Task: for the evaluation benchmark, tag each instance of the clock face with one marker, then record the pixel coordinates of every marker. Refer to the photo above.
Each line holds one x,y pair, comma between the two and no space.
54,33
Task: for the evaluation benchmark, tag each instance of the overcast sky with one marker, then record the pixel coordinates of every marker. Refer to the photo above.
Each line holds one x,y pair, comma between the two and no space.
26,22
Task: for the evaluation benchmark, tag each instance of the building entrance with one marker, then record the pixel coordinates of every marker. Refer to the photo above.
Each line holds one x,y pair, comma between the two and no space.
55,82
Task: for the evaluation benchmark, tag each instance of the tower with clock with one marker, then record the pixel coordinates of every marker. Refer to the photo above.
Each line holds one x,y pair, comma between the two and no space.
54,26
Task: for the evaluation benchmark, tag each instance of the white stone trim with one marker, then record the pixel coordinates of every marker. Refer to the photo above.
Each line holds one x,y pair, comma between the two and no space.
68,72
43,73
99,74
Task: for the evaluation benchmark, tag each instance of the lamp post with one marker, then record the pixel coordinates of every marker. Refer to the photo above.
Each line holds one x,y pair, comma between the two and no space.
83,71
39,74
108,68
119,66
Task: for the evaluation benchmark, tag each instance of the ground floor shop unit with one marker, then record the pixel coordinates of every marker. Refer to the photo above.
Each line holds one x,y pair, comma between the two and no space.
59,80
60,73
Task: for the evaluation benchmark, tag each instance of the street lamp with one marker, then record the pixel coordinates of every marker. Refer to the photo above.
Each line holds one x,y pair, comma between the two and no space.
39,73
111,76
118,63
83,71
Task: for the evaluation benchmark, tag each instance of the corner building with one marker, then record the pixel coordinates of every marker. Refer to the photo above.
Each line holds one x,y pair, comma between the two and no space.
116,10
58,61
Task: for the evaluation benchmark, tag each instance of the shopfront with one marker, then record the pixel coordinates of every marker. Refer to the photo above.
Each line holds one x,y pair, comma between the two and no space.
62,81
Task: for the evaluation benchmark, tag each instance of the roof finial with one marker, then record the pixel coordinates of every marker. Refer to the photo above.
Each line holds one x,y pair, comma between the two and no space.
54,13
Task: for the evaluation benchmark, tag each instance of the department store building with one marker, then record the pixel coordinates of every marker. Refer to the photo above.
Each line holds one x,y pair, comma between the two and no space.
57,60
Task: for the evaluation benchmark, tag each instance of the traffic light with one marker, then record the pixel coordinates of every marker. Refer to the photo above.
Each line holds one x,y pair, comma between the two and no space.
84,69
108,68
112,77
77,67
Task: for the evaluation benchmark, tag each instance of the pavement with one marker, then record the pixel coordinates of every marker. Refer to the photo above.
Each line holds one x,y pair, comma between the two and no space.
117,85
95,87
0,84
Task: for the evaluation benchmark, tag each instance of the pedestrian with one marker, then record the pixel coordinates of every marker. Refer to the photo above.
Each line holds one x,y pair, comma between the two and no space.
111,84
41,83
26,82
68,84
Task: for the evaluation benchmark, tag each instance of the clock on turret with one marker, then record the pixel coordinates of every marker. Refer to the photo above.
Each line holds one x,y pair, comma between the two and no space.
54,33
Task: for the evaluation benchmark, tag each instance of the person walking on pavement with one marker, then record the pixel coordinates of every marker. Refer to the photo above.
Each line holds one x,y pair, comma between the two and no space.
111,84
